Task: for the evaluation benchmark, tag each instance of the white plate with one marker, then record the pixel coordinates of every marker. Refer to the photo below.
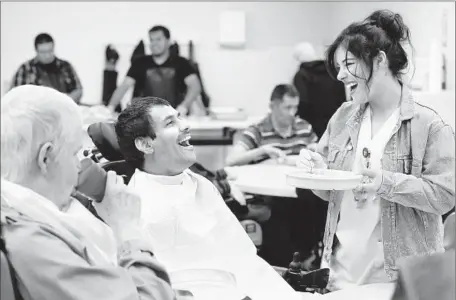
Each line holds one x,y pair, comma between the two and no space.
324,180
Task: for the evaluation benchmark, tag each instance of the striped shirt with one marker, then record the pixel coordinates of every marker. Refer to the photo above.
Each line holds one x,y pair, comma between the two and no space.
264,133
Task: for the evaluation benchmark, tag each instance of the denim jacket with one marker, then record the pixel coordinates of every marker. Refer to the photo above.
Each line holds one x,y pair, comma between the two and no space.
418,178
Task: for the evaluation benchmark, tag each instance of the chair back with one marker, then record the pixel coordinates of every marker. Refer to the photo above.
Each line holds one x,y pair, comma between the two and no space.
103,135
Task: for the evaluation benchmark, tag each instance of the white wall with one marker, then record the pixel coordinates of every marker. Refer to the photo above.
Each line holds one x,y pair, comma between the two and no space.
241,78
423,18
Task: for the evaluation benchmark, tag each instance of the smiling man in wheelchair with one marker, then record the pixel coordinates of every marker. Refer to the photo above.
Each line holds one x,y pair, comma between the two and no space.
195,235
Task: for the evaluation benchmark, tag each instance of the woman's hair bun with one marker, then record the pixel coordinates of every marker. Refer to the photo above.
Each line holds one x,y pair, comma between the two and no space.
391,23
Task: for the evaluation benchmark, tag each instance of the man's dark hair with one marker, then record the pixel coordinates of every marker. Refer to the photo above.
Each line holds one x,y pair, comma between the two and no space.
134,122
43,38
283,89
161,28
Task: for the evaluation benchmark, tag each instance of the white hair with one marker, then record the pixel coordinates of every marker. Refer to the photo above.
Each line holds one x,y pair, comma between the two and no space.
31,116
304,52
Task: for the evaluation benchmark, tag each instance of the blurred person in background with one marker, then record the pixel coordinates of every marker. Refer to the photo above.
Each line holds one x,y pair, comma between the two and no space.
45,69
319,94
161,75
110,76
319,97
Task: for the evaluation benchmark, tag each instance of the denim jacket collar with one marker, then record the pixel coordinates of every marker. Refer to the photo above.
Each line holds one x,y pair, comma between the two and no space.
407,111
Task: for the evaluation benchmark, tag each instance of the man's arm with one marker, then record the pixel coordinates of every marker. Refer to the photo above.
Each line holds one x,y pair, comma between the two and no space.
76,93
193,91
134,75
59,271
307,136
120,92
246,148
312,141
241,155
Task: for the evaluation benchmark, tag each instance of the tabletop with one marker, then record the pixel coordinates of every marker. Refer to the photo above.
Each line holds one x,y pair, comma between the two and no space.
207,123
263,179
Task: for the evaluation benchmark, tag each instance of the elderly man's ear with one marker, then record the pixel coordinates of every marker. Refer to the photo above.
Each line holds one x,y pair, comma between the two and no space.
44,157
145,144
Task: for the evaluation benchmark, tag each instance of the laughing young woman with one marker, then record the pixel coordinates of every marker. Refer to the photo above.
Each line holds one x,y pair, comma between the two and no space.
404,150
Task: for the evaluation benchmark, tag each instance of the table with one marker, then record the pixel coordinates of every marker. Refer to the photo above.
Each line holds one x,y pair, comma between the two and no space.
213,138
207,131
263,179
208,123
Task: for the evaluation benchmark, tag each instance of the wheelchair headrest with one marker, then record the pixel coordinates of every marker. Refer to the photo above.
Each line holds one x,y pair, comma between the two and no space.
103,135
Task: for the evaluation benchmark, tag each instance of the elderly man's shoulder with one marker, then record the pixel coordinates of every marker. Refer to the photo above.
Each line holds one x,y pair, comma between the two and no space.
27,238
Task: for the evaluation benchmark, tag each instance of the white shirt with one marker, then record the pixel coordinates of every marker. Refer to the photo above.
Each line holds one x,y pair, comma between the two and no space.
199,240
359,259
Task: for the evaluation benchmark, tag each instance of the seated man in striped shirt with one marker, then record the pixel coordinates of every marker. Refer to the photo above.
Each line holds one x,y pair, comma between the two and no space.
280,134
288,225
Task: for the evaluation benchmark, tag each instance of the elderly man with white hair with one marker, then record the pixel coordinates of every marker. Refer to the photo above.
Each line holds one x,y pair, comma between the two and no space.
58,250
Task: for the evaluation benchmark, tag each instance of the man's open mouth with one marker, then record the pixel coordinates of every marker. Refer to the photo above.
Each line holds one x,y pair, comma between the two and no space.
185,142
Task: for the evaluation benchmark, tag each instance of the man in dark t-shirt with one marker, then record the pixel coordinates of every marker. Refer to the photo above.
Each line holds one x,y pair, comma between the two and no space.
161,75
166,81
